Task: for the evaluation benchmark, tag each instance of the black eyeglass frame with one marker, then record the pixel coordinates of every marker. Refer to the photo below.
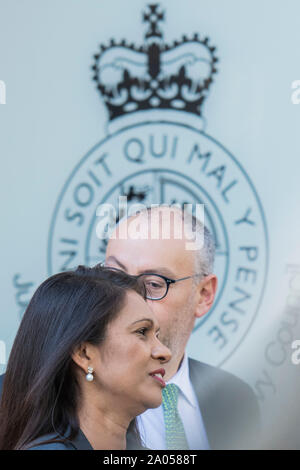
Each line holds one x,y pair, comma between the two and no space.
168,280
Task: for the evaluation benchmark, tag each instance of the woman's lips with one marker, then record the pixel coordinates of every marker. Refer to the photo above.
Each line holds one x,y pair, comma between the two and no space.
158,376
159,379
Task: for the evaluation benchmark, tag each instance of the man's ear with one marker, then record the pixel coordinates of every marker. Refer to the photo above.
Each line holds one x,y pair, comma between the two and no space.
206,294
82,355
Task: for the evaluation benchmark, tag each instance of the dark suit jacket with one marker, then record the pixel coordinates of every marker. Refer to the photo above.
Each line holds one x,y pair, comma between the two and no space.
79,443
228,406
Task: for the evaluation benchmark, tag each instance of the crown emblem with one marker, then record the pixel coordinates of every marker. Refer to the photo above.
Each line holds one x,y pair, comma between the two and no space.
155,75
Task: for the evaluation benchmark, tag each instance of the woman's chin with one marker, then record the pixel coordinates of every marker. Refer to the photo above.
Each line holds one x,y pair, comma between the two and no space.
149,397
153,402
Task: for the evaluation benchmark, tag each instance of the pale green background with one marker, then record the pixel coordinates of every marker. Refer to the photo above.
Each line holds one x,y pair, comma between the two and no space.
54,115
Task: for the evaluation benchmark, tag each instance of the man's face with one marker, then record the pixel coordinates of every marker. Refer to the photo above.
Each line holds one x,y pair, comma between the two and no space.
169,257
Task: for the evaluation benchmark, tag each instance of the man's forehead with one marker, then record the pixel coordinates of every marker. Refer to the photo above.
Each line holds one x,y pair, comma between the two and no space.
143,243
160,256
157,224
165,247
127,265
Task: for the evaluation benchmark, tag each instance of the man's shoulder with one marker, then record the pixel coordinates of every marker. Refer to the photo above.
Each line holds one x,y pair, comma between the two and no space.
226,402
205,375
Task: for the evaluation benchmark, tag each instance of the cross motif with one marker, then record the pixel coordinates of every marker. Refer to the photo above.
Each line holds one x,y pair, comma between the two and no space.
153,17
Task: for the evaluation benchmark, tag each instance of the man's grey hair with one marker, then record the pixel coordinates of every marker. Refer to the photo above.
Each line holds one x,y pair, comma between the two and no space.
205,244
205,253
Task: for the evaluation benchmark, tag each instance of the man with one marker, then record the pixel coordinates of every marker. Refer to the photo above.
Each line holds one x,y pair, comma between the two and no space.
203,406
213,408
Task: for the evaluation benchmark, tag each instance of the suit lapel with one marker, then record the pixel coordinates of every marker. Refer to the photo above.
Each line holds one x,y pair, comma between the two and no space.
204,388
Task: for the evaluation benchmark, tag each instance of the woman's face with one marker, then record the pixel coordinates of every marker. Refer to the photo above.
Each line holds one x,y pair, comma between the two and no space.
129,356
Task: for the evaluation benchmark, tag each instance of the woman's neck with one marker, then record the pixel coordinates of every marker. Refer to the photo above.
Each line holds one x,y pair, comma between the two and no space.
104,428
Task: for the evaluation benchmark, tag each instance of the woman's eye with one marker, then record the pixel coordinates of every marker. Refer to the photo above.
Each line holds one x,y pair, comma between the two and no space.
142,331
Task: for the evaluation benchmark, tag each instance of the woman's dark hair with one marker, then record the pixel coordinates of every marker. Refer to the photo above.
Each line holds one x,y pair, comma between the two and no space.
40,390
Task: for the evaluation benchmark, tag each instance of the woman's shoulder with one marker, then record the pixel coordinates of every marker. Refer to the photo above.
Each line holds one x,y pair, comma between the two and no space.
51,446
51,442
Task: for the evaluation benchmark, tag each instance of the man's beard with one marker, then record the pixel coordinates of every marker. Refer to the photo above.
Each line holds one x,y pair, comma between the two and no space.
177,337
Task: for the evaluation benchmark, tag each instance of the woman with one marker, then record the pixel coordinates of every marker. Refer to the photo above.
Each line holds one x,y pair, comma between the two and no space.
83,364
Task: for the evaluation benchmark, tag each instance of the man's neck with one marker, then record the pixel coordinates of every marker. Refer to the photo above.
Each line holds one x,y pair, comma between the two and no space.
174,368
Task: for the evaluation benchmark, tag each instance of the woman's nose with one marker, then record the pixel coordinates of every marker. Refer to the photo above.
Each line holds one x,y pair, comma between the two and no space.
161,352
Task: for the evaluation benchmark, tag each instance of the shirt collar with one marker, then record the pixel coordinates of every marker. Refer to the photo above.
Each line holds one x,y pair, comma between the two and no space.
183,382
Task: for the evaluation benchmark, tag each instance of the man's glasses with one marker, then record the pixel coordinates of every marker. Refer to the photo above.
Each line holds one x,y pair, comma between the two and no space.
156,285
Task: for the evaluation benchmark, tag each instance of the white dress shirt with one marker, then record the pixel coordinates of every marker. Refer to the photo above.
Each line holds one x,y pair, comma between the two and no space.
151,423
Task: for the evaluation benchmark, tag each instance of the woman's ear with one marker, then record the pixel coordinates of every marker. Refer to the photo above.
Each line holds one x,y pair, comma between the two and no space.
82,355
207,291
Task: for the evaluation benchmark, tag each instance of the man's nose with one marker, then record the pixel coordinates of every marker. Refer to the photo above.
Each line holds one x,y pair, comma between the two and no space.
161,352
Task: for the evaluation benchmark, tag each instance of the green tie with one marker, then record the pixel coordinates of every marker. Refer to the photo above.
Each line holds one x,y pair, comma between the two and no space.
175,435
